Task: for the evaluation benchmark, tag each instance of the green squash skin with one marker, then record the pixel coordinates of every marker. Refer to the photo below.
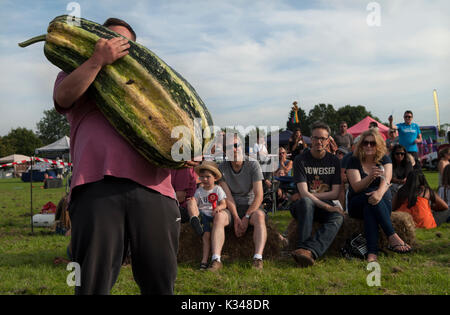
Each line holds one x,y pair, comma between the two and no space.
125,122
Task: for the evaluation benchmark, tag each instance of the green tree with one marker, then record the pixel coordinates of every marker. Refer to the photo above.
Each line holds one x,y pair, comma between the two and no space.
22,141
352,115
5,147
52,126
323,113
302,124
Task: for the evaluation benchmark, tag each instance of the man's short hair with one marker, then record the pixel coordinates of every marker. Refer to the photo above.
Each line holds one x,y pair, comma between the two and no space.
408,112
373,124
119,22
321,125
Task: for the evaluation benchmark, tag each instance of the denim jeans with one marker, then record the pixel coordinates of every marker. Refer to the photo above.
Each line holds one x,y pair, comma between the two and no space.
306,212
379,214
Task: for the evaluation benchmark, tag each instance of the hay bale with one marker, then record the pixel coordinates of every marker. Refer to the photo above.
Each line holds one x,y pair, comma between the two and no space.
190,244
404,226
401,221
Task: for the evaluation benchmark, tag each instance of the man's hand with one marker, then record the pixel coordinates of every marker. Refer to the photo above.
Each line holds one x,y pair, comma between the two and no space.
337,209
244,225
237,227
109,50
191,163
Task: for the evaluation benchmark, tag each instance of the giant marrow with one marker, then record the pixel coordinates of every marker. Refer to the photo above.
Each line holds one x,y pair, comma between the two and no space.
141,96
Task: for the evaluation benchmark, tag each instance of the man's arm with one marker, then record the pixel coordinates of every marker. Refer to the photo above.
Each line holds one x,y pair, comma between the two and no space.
231,206
257,201
76,83
333,194
303,190
419,136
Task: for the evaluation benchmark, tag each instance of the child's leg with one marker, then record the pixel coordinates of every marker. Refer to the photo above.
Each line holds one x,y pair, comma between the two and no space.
206,240
192,208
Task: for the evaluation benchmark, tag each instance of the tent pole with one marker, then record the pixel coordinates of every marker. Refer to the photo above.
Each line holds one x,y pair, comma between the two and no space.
31,195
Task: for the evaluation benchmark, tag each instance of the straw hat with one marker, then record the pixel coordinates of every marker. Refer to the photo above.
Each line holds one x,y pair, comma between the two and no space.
210,166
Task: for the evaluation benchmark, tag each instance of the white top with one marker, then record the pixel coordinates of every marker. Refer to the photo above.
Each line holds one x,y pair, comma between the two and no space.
201,196
441,194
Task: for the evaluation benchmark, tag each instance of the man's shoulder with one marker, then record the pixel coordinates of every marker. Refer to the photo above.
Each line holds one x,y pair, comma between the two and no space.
329,157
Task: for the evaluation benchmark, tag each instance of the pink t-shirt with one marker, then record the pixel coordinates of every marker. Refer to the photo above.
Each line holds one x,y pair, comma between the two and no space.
97,149
185,179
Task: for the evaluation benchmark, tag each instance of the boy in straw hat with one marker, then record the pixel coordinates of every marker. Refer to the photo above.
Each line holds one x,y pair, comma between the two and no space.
210,200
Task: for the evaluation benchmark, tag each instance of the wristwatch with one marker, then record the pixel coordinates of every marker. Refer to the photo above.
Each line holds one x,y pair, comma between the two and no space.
247,216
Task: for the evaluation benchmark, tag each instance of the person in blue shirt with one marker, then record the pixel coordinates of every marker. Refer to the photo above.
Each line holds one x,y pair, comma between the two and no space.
409,134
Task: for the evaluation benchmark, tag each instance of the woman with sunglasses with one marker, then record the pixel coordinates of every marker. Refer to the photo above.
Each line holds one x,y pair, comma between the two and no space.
401,167
369,172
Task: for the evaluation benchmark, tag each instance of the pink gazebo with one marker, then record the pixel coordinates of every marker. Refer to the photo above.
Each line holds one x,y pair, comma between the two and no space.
363,125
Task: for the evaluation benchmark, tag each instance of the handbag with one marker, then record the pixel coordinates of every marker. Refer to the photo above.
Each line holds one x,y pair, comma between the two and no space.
355,247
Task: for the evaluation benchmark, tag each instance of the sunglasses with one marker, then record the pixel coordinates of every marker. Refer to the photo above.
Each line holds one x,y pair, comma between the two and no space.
233,146
407,116
367,143
399,153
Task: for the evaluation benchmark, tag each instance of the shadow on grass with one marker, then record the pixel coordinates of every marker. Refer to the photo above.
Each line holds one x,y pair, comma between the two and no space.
36,258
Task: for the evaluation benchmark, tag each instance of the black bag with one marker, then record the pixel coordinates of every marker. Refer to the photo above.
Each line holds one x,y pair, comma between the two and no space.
355,247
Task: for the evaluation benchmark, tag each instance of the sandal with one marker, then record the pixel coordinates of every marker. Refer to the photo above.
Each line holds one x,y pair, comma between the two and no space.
393,248
203,266
372,259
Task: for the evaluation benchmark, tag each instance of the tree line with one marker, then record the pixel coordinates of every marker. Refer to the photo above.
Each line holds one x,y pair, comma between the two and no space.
54,126
51,127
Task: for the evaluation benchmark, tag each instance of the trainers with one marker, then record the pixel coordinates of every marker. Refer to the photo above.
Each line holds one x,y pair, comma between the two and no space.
215,266
258,264
303,257
196,225
203,266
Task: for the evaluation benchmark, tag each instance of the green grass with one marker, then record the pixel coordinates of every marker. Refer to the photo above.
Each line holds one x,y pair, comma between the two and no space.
26,261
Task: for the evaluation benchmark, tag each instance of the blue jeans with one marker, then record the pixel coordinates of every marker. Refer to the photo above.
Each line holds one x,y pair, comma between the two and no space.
379,214
306,212
206,222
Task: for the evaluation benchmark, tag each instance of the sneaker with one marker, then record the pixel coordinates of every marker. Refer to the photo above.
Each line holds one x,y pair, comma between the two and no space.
203,266
303,257
257,264
196,225
215,266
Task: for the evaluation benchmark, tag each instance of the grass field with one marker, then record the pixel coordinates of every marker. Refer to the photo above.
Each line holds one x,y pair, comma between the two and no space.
26,261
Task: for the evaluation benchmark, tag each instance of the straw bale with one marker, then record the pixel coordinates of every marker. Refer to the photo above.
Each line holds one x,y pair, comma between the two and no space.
402,222
190,244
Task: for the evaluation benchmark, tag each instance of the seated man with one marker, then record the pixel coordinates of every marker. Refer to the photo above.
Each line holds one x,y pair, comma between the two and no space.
242,183
318,177
184,182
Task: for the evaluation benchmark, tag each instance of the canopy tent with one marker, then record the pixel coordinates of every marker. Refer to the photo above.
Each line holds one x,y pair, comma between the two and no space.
284,138
14,158
17,169
55,149
363,125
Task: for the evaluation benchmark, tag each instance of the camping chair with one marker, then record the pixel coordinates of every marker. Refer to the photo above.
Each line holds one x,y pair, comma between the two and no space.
287,185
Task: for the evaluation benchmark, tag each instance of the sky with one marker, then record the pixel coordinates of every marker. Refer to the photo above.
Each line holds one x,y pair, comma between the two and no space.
250,59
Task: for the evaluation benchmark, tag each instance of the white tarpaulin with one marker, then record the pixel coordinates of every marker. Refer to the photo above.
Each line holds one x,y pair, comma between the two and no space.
55,149
14,158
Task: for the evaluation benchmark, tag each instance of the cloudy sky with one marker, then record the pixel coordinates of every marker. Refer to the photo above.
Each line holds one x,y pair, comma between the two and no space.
250,59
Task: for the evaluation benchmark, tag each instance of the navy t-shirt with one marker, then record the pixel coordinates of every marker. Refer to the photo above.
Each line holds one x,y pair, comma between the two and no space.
319,174
355,163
